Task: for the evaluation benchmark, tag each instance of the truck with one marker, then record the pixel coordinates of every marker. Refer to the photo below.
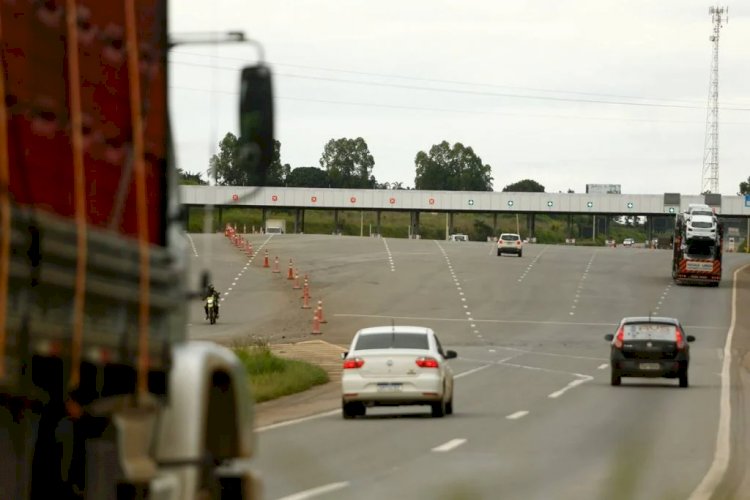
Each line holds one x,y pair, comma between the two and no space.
696,260
275,226
101,394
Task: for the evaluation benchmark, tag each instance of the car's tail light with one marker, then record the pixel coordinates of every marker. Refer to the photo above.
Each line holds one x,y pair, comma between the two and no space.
353,363
679,338
427,363
620,337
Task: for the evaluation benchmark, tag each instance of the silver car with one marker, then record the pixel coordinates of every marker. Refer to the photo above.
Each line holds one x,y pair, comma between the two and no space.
394,366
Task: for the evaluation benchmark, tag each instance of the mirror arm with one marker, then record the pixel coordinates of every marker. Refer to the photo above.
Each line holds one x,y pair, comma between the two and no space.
214,38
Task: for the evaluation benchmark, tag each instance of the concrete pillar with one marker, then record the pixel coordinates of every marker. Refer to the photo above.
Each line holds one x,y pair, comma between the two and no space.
297,214
335,221
532,225
494,224
302,221
650,224
377,221
220,211
186,217
263,215
450,223
606,227
414,223
570,225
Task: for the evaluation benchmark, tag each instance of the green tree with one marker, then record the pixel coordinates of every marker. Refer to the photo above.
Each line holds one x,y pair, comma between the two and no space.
189,179
307,177
277,172
348,163
455,168
224,166
745,187
229,171
524,186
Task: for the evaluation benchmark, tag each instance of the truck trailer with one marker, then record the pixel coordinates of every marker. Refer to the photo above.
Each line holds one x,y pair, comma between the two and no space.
696,260
101,395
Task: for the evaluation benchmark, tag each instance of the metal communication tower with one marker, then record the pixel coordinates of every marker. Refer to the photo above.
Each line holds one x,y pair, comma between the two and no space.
710,178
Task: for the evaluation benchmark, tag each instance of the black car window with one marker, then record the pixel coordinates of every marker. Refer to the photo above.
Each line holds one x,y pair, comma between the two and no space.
392,341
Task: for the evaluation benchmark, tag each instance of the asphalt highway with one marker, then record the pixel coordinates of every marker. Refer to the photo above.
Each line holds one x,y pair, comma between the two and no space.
535,416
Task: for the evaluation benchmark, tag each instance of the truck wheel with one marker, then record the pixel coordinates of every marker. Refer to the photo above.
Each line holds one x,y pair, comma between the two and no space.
351,410
684,378
438,409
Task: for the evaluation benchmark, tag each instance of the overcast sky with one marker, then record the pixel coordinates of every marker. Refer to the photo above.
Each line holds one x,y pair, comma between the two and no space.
509,79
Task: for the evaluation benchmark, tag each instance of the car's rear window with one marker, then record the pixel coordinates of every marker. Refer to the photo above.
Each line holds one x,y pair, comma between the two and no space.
649,331
702,225
392,341
510,237
703,212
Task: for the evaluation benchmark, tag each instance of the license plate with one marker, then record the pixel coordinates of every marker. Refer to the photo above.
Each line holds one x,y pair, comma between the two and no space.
385,387
650,366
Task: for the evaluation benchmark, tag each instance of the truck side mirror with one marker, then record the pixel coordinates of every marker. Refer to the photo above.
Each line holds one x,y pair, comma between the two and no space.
256,144
609,337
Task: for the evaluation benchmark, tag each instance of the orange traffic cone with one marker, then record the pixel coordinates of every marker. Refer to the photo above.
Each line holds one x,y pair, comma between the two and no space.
306,289
320,312
305,301
290,274
276,265
316,323
249,249
296,286
265,260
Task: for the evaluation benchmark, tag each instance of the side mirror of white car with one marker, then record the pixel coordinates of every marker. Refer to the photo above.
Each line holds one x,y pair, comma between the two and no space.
450,354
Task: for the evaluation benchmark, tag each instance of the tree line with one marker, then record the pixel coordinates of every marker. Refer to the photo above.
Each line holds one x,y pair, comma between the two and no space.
348,163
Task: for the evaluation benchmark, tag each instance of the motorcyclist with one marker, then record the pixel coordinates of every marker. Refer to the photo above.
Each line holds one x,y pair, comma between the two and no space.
211,292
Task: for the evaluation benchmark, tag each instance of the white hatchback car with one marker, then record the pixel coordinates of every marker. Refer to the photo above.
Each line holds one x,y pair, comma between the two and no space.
394,366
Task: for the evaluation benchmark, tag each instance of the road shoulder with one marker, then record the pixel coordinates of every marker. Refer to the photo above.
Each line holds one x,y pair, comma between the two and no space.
316,400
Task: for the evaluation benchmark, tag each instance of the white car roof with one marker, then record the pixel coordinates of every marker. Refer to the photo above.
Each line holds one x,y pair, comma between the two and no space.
511,234
395,329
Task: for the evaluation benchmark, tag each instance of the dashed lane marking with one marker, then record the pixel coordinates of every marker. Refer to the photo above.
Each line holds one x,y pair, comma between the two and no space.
580,284
192,244
517,415
390,255
317,491
450,445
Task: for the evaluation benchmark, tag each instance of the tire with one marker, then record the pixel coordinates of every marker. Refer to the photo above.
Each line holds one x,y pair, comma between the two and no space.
212,317
684,379
438,409
449,406
520,254
499,253
351,410
616,379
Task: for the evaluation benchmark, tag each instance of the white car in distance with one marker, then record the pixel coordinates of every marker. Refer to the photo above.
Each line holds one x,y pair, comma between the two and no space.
395,366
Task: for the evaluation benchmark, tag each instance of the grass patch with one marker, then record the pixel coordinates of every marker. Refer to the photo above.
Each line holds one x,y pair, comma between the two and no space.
272,377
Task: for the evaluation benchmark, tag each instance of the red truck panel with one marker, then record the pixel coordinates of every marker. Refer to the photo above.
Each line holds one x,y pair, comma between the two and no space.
41,163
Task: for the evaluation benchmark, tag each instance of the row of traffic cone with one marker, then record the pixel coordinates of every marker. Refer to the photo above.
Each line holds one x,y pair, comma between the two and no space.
293,275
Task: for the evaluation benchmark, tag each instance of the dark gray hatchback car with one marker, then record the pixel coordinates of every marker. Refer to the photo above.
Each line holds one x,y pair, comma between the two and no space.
655,347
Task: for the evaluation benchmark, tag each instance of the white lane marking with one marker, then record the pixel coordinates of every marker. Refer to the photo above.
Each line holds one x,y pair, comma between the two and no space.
450,445
298,420
390,255
528,268
571,385
510,321
314,492
473,371
720,463
517,415
493,350
603,366
192,243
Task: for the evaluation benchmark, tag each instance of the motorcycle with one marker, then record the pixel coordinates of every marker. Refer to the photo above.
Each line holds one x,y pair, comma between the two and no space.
211,309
